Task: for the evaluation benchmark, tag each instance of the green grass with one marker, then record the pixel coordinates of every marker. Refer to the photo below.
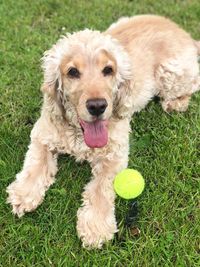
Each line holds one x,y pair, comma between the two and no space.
165,148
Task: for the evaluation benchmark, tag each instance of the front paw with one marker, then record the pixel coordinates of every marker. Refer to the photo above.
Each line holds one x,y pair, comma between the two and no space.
23,197
95,227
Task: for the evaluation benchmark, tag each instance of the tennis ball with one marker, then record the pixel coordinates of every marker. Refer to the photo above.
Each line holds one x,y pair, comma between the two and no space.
129,184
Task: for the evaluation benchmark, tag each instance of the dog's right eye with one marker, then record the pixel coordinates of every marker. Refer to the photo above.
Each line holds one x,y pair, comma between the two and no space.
73,73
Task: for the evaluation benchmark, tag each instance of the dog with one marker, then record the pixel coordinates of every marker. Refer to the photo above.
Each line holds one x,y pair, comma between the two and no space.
93,83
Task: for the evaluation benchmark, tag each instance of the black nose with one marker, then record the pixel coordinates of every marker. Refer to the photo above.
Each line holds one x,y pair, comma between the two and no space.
96,106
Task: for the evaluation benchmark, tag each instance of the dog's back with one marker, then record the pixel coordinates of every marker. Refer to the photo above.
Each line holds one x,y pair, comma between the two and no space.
164,58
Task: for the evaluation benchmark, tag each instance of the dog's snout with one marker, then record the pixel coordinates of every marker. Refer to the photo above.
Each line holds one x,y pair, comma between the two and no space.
96,106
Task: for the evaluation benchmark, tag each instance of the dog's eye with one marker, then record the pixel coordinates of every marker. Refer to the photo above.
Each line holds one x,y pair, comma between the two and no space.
108,70
73,73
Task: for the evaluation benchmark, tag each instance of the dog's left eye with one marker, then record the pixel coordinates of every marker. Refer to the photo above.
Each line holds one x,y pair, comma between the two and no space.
73,73
108,70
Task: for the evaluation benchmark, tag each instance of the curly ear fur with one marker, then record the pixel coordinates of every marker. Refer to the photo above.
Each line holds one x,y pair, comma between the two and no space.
52,86
123,101
52,75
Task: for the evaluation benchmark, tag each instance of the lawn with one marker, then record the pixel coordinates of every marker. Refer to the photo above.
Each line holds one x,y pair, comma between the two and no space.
165,148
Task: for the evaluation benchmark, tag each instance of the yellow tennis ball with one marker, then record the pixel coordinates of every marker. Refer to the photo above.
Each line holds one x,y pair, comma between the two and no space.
129,184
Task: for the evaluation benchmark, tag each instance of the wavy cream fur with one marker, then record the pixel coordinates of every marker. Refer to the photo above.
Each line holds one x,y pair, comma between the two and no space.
151,56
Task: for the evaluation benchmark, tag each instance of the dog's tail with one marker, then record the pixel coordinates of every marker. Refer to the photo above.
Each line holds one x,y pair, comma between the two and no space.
197,44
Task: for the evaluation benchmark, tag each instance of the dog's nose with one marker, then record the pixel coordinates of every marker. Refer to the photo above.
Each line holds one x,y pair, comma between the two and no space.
96,106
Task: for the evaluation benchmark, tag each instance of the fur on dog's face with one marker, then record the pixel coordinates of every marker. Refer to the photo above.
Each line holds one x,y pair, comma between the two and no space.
87,70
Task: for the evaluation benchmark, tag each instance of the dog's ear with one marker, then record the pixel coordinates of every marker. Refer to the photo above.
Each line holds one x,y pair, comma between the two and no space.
52,85
123,101
51,68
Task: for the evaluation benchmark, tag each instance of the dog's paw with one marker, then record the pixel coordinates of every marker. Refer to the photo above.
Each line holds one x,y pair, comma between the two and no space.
179,104
95,228
23,197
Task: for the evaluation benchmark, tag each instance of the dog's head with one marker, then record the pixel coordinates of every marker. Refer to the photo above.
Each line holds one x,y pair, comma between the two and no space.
88,72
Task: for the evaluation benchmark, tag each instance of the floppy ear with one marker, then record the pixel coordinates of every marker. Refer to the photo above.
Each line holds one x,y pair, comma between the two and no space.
123,101
51,65
52,76
52,85
123,98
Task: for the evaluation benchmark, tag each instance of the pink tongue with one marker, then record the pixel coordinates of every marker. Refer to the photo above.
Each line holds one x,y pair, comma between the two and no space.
95,133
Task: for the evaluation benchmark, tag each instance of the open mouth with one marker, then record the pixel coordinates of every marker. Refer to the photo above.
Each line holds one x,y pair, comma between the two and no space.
95,133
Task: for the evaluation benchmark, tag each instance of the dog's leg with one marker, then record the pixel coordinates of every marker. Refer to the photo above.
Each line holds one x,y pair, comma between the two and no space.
96,218
179,104
28,190
177,83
